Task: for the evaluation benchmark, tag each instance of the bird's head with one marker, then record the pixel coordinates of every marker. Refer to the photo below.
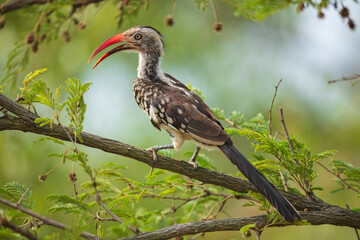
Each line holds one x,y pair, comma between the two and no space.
142,39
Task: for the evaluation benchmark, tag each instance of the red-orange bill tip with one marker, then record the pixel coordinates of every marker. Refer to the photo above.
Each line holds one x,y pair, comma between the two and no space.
115,39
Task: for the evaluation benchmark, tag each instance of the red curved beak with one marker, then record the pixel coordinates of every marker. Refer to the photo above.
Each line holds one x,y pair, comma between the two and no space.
115,39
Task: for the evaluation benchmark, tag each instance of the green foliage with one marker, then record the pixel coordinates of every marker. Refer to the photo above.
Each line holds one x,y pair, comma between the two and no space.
202,4
17,59
290,155
67,204
348,176
36,91
245,229
75,106
195,90
183,200
7,234
257,10
15,191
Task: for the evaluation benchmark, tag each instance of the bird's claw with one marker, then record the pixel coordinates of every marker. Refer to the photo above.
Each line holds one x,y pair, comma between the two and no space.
194,164
154,152
155,158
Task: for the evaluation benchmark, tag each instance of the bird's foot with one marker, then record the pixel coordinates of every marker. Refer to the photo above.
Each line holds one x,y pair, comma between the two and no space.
192,162
193,158
154,151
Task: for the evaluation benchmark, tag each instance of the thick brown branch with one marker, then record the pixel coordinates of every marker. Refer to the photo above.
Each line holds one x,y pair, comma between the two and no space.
26,233
329,216
25,123
204,175
18,4
45,220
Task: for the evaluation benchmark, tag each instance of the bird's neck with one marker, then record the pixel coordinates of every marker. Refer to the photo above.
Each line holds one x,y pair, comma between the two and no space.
149,67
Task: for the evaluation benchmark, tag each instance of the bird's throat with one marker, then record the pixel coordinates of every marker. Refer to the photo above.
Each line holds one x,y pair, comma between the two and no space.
149,66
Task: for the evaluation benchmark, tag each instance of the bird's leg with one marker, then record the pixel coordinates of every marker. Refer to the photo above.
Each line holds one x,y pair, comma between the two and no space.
154,150
193,158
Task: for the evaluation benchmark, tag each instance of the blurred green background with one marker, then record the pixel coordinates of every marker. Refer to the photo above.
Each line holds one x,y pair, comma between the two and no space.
236,70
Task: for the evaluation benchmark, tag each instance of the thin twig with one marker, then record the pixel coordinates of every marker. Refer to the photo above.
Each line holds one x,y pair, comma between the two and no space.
286,188
46,220
282,119
340,178
270,130
98,200
172,8
272,104
307,187
232,123
214,11
355,78
22,196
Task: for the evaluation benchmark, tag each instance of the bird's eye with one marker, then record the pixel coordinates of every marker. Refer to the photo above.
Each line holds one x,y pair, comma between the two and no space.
137,36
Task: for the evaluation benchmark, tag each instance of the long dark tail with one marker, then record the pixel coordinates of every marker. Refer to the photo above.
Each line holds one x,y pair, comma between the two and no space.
266,188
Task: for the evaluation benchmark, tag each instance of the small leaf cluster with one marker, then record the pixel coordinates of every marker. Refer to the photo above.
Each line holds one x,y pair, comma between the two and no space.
348,176
291,156
36,91
17,60
15,191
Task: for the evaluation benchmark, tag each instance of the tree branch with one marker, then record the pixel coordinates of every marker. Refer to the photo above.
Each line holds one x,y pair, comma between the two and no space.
45,220
24,232
25,123
329,216
17,4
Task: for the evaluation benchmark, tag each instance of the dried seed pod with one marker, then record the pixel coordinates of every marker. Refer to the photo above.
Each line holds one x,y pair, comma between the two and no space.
76,21
66,36
30,37
72,177
344,12
321,14
351,24
300,7
2,22
35,46
43,37
169,21
218,27
42,177
81,25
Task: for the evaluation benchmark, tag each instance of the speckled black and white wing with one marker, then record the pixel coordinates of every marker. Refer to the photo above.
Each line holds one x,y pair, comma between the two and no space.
179,111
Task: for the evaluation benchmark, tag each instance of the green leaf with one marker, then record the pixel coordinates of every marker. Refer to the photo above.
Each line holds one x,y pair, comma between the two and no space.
43,121
257,10
245,229
67,203
197,91
75,105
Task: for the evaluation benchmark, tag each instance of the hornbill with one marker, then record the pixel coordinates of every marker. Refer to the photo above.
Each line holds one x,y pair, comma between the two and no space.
171,106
